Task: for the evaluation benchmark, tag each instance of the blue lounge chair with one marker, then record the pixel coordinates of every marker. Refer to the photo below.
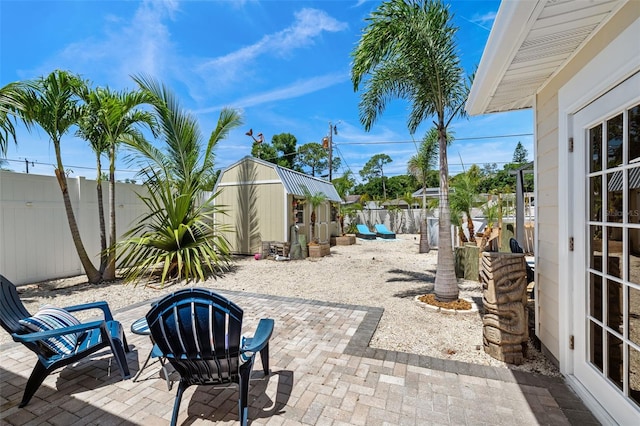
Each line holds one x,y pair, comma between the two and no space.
198,332
383,232
61,339
364,233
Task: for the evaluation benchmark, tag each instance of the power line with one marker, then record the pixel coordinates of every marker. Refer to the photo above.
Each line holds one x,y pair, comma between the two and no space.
456,139
66,166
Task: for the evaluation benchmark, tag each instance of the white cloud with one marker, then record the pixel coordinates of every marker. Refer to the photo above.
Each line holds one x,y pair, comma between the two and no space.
308,25
138,45
484,21
295,90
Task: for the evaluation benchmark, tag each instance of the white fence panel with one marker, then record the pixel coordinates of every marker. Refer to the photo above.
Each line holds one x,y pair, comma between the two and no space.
35,241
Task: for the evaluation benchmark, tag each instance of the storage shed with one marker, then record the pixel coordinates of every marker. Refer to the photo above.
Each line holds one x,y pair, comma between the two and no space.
263,201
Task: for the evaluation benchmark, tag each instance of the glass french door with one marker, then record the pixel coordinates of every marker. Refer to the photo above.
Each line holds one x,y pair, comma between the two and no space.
613,317
607,316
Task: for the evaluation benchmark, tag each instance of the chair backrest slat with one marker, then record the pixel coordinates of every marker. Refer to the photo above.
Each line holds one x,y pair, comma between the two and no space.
200,332
11,308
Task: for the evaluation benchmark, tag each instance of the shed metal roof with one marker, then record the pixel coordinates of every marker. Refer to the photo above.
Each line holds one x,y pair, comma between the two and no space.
295,182
530,42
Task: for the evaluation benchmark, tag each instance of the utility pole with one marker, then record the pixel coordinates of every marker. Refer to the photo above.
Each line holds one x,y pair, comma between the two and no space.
26,163
327,143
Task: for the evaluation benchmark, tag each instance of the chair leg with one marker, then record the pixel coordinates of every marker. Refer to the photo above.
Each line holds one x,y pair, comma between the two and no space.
176,404
116,339
127,349
39,373
264,357
243,401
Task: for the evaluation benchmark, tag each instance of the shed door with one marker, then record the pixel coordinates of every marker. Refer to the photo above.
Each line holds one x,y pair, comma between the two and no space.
607,292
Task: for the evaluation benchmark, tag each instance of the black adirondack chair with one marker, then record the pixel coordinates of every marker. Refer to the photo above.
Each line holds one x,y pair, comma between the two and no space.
94,336
199,333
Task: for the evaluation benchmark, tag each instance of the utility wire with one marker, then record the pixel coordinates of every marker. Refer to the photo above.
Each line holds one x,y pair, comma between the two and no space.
456,139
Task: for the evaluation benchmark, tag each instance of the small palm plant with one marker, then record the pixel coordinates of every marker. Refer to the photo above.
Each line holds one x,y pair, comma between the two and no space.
178,235
314,200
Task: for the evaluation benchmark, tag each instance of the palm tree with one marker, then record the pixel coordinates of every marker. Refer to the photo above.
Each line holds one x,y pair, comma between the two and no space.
8,107
408,51
52,103
465,196
177,233
109,117
419,166
90,130
343,185
120,119
314,200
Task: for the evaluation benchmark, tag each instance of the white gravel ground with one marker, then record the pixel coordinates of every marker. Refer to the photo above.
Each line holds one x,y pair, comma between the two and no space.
381,273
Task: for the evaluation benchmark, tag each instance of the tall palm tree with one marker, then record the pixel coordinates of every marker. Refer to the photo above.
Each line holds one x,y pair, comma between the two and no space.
109,117
408,51
178,232
419,166
52,103
120,120
90,130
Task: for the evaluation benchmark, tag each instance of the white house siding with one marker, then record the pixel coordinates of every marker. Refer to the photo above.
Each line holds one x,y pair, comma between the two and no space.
35,241
546,161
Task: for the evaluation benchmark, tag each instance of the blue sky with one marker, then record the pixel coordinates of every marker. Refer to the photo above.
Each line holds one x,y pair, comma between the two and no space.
284,64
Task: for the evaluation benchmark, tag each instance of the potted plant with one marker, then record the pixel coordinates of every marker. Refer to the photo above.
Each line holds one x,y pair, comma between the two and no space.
316,249
351,211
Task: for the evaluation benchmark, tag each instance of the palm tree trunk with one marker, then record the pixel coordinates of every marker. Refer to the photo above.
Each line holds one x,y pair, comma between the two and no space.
471,227
384,187
103,230
93,275
446,285
110,271
424,236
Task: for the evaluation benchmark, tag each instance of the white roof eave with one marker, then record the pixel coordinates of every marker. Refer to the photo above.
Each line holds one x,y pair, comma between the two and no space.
530,42
512,24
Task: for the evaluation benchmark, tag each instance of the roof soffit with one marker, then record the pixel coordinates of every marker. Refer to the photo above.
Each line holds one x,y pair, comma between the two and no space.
530,42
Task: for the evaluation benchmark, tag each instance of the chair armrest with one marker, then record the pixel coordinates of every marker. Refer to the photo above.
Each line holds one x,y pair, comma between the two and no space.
102,305
33,337
260,338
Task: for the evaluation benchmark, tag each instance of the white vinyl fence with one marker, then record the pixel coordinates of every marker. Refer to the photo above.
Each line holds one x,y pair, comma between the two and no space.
35,241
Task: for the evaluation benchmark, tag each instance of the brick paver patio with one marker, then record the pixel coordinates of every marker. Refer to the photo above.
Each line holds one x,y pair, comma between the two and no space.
322,373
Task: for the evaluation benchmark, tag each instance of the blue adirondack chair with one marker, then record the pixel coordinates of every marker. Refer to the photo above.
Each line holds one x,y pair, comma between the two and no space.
199,333
59,345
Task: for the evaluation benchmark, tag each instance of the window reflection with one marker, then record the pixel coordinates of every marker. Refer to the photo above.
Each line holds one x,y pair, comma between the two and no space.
634,134
614,141
614,251
614,353
595,295
595,345
595,142
634,315
614,197
595,253
633,195
634,375
633,257
595,200
614,305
